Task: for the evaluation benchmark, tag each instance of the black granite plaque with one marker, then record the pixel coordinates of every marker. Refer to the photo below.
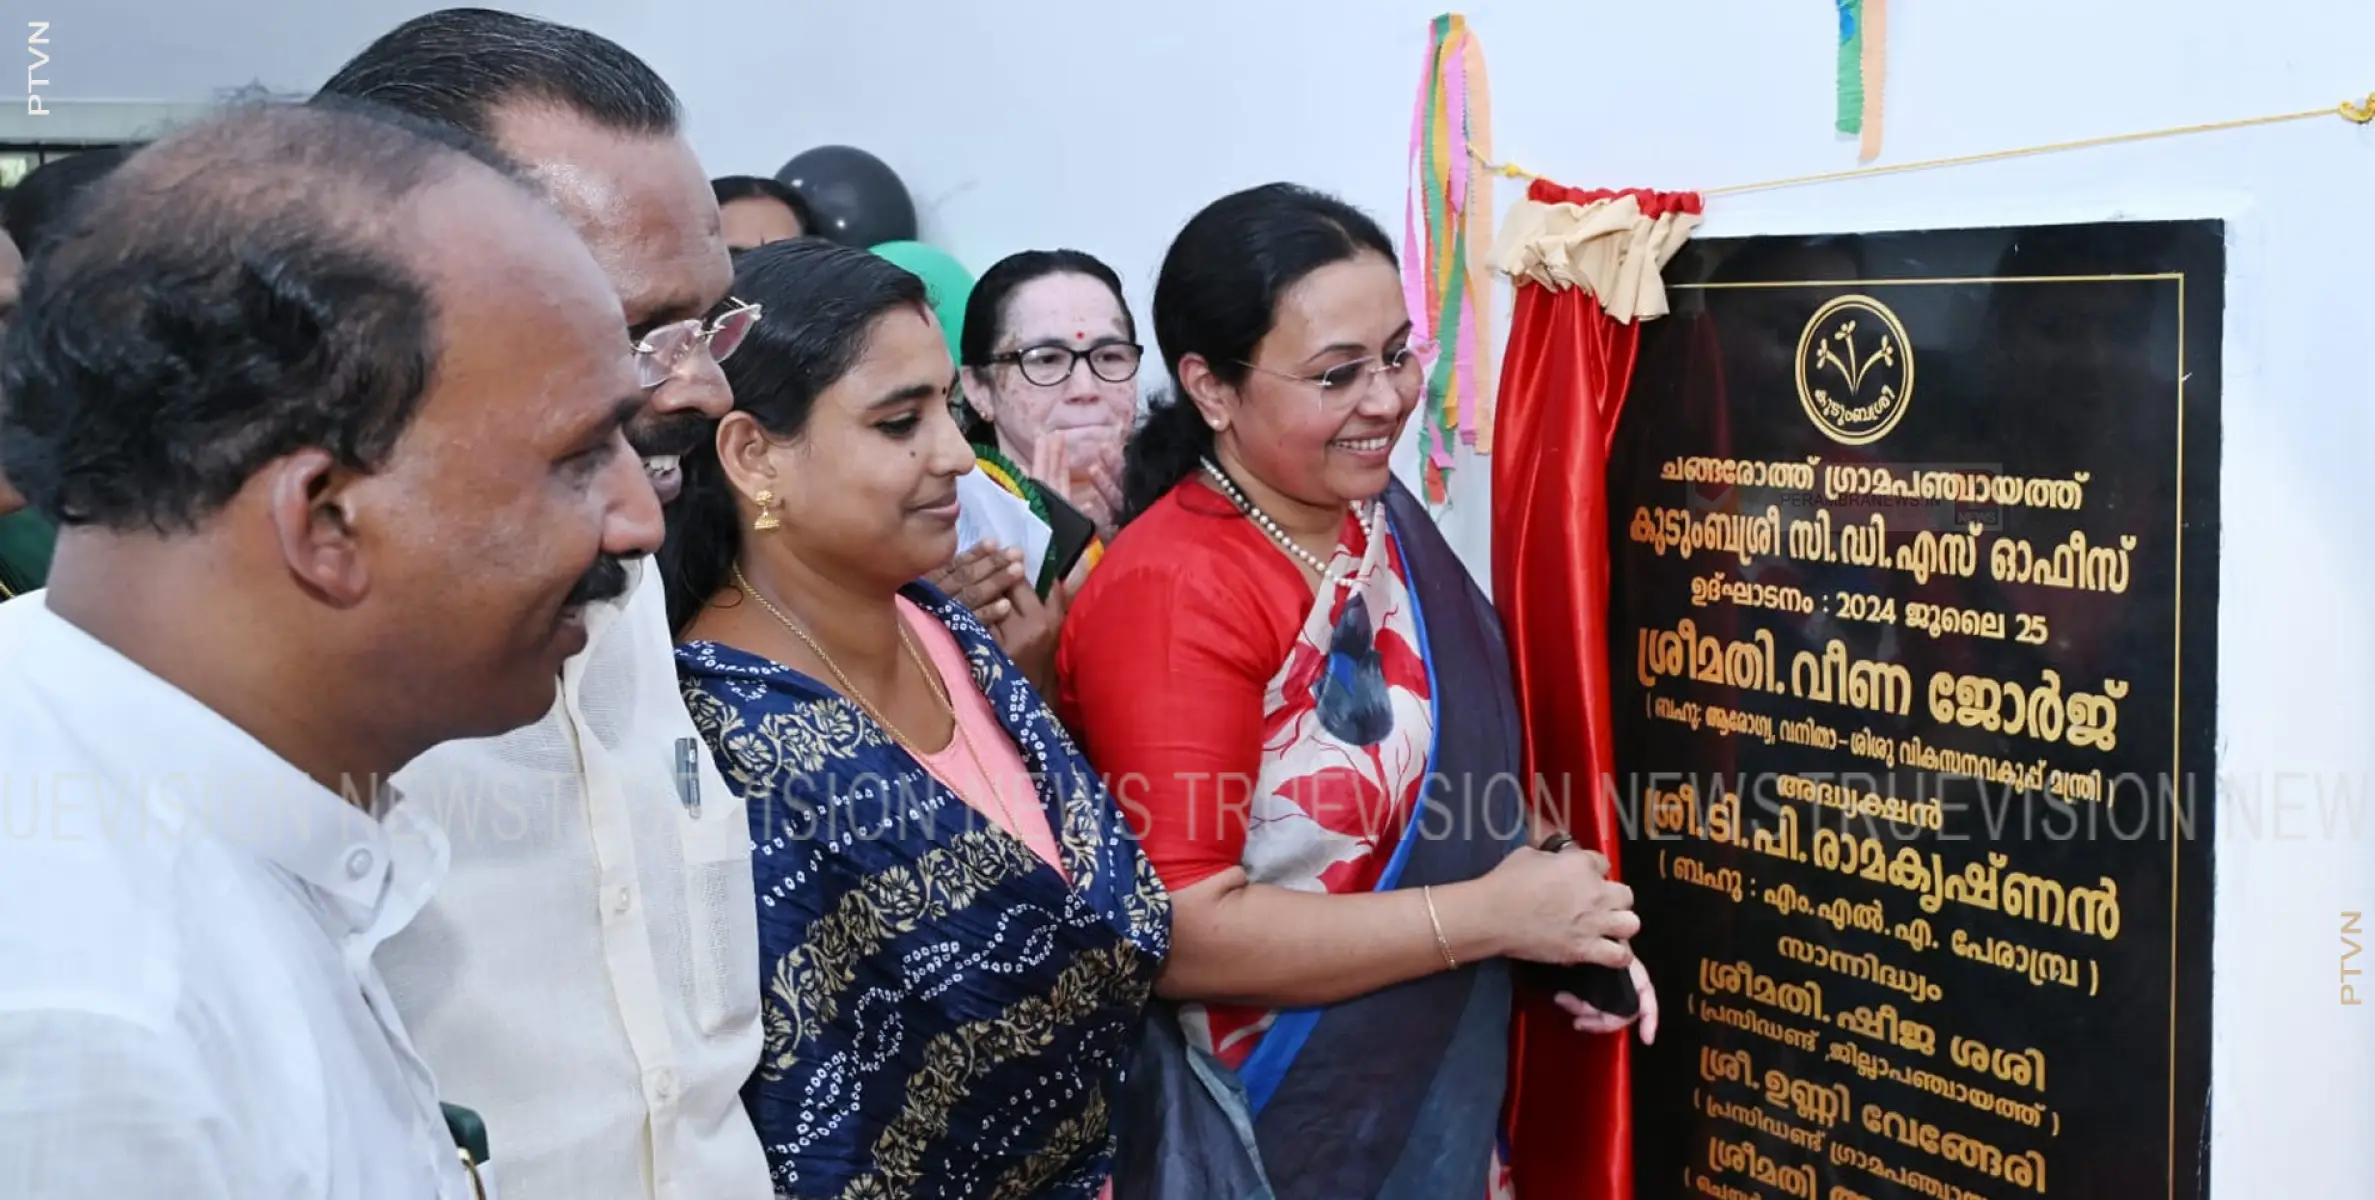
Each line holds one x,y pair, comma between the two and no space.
1913,636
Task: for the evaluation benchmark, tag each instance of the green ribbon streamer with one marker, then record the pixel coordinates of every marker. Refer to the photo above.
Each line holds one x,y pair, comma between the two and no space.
1435,204
1851,66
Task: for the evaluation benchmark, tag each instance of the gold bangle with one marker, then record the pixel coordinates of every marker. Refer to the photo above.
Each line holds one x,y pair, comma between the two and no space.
1441,943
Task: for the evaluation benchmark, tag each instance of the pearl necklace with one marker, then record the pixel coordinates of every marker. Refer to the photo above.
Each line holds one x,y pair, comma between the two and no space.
1278,535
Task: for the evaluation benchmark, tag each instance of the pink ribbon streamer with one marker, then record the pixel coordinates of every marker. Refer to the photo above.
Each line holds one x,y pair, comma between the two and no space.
1442,176
1464,341
1414,261
1464,368
1456,87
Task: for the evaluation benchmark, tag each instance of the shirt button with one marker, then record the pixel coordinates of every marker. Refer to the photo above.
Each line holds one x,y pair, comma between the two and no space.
663,1086
358,864
622,899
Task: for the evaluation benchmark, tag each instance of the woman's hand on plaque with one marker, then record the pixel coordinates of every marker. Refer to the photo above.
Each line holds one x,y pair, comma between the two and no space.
1592,1020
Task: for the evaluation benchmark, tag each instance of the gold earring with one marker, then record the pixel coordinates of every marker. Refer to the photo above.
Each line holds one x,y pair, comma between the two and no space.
766,520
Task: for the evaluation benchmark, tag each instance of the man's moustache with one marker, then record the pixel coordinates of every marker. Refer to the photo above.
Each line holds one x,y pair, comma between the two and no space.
605,582
674,433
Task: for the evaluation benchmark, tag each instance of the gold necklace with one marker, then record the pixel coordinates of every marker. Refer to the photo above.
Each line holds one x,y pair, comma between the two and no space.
931,680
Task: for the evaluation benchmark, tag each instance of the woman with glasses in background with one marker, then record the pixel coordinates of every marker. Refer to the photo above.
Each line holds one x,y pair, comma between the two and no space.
1049,394
1304,703
957,933
1051,368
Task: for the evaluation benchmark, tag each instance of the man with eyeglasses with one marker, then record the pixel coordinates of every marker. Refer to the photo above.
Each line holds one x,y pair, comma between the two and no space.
587,980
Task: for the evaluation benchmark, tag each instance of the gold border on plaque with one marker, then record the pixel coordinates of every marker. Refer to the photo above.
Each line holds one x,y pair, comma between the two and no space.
2177,647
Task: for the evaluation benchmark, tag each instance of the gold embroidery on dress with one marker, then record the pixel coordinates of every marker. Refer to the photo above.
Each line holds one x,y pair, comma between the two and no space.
799,740
712,716
956,1060
1083,835
807,984
1064,1143
1144,901
1148,904
896,901
807,736
1080,837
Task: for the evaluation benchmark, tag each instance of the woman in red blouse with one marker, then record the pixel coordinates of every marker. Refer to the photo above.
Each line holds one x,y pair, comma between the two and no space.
1302,702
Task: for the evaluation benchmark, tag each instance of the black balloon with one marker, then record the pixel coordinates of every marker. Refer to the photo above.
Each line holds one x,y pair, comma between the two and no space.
858,200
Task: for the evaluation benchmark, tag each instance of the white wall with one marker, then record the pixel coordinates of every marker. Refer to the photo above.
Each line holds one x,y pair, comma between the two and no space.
187,50
1034,123
1105,126
1159,114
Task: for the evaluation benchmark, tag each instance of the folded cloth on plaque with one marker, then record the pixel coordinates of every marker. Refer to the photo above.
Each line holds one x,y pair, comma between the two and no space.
989,513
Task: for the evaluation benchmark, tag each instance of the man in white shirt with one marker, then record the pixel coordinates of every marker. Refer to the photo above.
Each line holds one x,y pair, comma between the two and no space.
332,415
588,976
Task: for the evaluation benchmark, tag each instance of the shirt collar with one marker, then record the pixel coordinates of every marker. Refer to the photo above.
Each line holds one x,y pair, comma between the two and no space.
417,857
194,771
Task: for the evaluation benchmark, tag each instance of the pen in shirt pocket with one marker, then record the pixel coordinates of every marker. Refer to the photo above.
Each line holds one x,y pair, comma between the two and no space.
688,775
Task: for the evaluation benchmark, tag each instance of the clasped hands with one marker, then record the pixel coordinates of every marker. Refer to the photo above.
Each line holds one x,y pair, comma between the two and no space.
1568,911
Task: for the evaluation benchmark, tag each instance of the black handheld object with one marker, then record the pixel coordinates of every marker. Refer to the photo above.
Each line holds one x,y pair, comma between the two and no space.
469,1132
1608,989
1070,532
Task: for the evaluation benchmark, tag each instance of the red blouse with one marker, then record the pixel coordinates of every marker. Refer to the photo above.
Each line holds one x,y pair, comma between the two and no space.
1166,658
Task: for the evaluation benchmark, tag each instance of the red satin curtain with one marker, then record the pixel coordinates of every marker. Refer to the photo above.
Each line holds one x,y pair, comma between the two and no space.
1563,382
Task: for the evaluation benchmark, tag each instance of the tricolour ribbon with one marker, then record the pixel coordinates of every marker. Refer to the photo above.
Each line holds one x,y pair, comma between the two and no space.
1447,229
